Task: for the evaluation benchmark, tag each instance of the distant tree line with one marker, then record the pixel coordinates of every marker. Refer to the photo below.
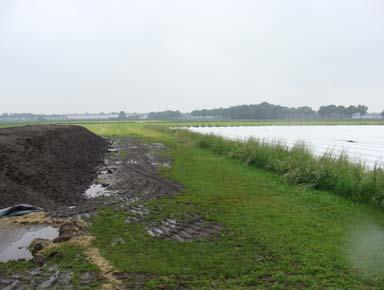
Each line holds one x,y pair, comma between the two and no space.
263,111
29,117
122,115
341,112
17,117
269,111
165,115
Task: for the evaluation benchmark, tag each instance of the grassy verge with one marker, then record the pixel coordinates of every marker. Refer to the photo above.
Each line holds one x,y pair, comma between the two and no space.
300,167
277,236
12,267
72,258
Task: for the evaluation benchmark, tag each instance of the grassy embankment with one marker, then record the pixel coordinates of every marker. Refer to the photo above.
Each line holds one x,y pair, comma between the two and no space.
276,235
338,174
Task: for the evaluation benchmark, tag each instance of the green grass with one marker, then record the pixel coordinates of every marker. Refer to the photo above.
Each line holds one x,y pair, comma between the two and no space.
72,258
277,236
299,166
12,267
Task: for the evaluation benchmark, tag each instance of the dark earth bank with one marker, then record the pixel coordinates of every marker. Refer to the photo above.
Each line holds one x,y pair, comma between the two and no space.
70,173
48,166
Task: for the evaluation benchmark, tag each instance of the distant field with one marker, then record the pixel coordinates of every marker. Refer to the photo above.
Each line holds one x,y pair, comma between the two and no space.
279,123
210,123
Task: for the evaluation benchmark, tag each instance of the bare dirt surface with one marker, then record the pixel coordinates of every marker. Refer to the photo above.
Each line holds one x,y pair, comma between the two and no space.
132,167
47,166
130,173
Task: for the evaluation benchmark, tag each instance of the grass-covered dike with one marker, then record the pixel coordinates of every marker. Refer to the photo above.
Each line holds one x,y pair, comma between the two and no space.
299,166
276,235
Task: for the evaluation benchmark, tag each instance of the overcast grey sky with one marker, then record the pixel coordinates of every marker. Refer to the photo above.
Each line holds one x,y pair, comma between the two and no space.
92,56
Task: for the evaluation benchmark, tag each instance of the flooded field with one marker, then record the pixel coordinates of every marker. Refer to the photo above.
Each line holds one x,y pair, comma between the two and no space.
365,143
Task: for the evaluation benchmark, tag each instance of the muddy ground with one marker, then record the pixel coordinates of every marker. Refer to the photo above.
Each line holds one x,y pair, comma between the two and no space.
70,173
128,177
121,173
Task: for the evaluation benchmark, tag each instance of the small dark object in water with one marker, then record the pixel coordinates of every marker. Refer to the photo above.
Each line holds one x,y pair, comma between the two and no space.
19,209
351,141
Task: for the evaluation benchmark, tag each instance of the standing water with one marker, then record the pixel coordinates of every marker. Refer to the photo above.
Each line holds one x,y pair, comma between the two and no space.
360,143
15,239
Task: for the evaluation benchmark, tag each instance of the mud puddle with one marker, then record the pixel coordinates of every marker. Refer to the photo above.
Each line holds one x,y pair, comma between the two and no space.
15,239
96,190
129,176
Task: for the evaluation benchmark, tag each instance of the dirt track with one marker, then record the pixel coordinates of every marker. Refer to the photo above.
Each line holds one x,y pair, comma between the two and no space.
65,161
53,166
137,169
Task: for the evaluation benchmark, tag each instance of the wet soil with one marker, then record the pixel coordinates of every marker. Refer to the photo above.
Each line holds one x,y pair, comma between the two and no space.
15,239
49,277
129,173
134,169
121,173
49,166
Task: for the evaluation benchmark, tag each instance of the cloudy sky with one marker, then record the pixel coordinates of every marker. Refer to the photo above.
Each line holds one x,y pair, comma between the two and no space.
61,56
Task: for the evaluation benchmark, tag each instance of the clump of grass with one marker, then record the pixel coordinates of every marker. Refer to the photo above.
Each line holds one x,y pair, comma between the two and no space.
336,173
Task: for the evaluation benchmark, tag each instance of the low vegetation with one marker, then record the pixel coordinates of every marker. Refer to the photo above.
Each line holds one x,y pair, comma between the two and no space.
276,236
72,259
329,172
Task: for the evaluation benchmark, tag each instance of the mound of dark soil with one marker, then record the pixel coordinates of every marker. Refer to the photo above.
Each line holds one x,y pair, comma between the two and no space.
47,166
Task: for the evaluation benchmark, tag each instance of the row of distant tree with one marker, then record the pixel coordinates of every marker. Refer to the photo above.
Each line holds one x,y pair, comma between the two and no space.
165,115
269,111
342,112
261,111
29,116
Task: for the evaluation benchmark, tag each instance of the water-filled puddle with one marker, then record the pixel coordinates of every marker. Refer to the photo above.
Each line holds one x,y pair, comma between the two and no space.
15,239
96,190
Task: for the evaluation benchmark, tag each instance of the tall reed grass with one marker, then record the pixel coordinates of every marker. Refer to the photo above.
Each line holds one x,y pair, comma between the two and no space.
336,173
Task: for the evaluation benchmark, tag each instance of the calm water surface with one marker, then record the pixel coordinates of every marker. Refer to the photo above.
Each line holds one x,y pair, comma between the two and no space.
15,239
365,143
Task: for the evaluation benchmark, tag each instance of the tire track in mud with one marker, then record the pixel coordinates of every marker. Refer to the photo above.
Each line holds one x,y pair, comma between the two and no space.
129,177
138,179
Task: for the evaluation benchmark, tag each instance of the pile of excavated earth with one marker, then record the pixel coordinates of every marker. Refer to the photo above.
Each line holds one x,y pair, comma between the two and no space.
47,166
69,173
